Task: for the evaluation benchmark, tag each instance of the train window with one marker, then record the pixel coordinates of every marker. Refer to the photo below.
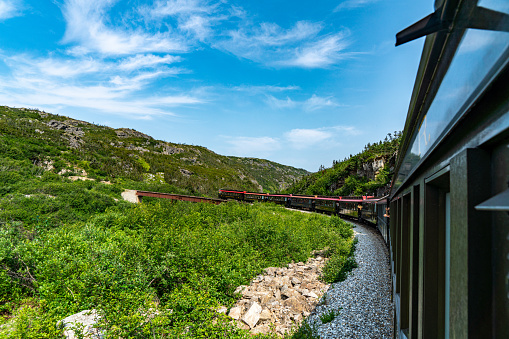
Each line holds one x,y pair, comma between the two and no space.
404,275
447,260
480,55
415,264
434,268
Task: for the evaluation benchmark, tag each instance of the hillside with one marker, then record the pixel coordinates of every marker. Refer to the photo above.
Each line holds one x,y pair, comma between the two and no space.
75,148
366,173
157,269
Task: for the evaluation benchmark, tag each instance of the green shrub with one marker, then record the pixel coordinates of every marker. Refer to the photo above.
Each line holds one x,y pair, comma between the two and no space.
178,256
341,262
327,317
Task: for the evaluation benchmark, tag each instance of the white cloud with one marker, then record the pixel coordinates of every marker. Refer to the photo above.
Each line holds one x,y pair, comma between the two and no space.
179,7
281,103
9,9
268,43
146,60
298,46
265,88
305,138
108,86
316,102
319,54
87,28
270,34
196,18
108,99
326,136
312,104
197,25
353,4
53,66
252,146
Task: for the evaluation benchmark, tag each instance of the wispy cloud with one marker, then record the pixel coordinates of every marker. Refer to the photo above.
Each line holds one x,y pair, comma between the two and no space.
142,61
252,146
195,18
312,104
326,136
86,27
320,54
280,103
305,138
164,8
315,102
53,66
353,4
108,99
9,9
298,46
254,89
110,87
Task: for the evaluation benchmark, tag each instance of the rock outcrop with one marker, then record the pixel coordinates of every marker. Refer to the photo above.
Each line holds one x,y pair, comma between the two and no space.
86,321
71,133
168,150
131,133
281,298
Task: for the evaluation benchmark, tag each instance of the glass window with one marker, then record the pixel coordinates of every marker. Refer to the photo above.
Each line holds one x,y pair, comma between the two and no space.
478,52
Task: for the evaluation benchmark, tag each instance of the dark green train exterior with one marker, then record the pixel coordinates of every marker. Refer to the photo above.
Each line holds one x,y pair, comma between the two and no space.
449,223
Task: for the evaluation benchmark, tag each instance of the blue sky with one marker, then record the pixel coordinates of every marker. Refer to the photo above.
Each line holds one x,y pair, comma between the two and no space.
301,83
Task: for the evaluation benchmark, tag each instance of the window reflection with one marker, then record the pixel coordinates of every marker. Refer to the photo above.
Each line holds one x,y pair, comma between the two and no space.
478,52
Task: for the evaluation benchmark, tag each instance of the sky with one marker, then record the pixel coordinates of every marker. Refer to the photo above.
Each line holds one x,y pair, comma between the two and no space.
301,83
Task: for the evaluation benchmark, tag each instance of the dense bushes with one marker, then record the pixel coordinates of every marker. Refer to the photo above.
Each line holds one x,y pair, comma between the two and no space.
154,257
153,270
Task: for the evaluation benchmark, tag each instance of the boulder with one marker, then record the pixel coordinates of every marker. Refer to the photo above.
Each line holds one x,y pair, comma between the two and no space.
86,320
235,312
266,314
252,315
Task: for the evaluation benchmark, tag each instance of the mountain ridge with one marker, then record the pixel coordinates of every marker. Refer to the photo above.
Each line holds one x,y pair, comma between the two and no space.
74,147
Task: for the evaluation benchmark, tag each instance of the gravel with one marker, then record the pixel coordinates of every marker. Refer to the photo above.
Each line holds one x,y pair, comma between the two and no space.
362,303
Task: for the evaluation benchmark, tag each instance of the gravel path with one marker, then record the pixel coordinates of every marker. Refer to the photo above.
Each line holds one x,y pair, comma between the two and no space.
363,301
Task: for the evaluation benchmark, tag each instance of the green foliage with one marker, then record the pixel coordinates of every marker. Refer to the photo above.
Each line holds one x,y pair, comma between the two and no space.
305,331
328,316
158,269
178,256
343,179
341,261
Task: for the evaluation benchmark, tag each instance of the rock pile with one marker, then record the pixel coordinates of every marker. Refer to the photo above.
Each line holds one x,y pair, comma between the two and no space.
280,299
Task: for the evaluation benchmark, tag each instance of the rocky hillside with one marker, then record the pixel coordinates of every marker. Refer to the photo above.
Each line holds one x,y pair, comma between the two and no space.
369,172
79,150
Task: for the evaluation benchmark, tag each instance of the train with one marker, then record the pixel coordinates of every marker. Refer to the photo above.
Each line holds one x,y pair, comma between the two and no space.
448,231
364,209
448,234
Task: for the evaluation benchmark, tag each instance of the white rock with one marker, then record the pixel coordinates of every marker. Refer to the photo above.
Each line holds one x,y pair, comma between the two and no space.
310,294
86,319
252,316
266,314
235,312
240,289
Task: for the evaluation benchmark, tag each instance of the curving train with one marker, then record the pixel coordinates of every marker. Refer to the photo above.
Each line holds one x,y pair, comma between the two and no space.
361,208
